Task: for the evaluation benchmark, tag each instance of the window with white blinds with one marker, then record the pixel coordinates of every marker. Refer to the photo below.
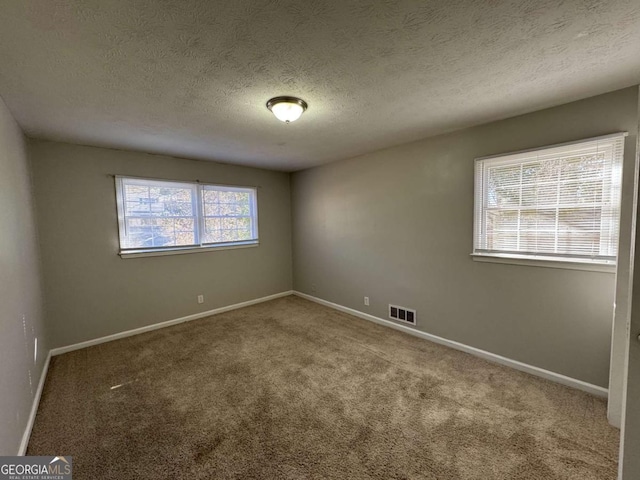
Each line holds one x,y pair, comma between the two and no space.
560,202
156,215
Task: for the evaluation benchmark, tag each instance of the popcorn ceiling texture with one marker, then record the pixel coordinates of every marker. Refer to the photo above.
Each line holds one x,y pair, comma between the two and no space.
191,77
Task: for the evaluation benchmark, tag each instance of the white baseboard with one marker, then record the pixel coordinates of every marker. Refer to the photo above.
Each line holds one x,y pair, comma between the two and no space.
168,323
34,408
492,357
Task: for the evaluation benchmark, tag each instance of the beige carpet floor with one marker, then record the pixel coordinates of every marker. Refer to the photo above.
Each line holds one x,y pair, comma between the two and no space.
293,390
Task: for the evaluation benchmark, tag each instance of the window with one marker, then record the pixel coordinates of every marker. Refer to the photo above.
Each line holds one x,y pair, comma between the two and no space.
158,215
557,203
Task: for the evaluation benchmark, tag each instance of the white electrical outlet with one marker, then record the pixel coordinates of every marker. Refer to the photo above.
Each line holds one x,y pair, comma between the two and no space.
200,298
366,301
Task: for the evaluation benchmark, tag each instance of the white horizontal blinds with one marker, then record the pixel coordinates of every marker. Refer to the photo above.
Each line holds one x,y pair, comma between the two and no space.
157,214
229,214
559,201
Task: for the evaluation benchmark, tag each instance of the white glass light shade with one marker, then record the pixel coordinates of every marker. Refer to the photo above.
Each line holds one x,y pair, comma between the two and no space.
287,112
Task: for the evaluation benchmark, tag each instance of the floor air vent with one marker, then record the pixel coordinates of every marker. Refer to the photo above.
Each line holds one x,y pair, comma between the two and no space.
403,314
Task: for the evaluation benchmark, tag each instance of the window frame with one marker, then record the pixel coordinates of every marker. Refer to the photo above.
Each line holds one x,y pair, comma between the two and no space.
199,219
552,260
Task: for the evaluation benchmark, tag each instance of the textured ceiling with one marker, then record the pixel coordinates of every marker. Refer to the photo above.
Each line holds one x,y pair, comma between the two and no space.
191,77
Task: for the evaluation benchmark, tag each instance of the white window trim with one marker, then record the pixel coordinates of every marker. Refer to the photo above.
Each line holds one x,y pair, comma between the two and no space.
181,250
546,262
184,250
560,262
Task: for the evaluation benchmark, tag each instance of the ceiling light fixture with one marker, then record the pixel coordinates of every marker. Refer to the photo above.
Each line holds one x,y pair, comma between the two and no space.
287,109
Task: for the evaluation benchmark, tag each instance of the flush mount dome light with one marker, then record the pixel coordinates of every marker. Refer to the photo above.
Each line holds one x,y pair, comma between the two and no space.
287,109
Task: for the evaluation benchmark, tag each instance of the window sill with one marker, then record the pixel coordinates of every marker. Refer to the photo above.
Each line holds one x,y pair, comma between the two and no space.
547,262
182,251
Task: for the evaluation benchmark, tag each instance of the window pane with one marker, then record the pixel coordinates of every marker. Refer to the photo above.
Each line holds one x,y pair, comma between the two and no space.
229,214
576,243
581,192
538,220
158,214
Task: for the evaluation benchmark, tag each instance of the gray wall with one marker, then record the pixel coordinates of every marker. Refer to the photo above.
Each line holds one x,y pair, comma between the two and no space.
91,292
396,225
20,291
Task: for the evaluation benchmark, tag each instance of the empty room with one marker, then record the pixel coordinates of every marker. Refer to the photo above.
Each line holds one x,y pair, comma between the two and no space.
284,239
